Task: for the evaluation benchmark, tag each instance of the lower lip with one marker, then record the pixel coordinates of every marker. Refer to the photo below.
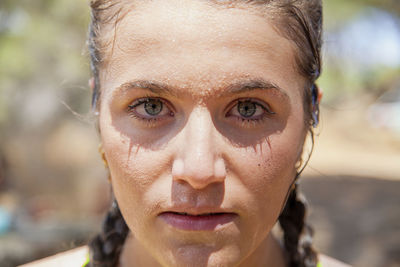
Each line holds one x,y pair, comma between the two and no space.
197,223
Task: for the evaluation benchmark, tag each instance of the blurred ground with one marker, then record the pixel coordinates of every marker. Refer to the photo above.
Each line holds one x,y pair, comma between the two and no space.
353,184
356,219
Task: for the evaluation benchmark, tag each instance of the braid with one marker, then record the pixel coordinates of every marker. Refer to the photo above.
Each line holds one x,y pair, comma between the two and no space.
297,234
106,247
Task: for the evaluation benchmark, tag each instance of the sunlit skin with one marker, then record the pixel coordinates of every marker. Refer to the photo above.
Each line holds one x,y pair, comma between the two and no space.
191,64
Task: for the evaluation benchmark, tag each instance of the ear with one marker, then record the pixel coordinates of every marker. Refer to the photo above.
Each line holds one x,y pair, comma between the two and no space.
320,95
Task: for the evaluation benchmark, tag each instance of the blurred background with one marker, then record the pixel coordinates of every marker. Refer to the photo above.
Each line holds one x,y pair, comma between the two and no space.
53,183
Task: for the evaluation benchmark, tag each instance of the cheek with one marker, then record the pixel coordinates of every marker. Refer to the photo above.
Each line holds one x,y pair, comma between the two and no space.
266,171
135,173
139,185
267,174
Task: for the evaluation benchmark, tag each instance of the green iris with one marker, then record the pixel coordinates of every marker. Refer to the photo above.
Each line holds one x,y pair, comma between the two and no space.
153,107
247,108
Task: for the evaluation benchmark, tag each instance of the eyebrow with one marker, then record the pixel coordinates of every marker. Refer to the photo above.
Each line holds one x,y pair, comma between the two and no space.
254,84
237,87
154,87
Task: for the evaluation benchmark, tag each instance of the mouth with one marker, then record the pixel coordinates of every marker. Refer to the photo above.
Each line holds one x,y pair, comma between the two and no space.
197,222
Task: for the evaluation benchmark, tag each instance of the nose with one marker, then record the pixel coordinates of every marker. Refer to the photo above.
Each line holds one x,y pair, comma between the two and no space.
198,162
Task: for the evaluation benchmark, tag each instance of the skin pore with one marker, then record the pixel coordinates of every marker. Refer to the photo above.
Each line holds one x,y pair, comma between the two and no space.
201,112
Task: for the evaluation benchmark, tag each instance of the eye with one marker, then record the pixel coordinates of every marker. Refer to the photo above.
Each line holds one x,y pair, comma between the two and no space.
249,109
246,108
149,108
153,107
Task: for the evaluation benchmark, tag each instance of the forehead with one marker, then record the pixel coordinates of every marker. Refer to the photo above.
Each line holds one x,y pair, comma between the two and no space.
192,43
167,21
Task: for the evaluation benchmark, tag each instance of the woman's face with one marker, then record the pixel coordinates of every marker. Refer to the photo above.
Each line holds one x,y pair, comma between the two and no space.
202,124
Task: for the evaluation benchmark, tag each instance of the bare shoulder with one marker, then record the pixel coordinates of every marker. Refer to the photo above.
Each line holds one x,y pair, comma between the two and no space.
330,262
74,257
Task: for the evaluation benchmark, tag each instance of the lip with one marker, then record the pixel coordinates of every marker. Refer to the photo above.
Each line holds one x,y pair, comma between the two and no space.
197,222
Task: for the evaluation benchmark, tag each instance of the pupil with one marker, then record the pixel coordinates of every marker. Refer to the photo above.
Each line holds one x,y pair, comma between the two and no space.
153,107
247,108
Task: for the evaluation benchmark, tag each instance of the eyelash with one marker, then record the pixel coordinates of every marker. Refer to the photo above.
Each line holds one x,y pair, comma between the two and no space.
245,122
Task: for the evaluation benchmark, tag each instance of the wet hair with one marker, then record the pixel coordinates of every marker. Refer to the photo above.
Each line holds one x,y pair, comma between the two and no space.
106,247
300,21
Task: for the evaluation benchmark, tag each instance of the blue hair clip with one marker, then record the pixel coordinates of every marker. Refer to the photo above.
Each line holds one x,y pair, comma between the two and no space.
315,105
316,74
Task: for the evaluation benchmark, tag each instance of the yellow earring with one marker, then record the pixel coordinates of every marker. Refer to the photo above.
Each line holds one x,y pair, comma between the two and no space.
103,155
293,187
299,163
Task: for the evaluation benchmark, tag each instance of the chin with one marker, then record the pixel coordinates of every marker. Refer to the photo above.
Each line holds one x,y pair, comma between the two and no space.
202,255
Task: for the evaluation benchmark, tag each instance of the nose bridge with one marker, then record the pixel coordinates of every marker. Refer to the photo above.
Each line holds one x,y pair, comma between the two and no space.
198,162
198,134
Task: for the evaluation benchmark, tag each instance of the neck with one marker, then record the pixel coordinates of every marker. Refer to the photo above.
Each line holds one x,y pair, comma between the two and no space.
268,253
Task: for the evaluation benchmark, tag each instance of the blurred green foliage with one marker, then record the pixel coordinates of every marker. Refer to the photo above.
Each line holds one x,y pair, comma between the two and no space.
341,79
41,44
337,12
44,70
